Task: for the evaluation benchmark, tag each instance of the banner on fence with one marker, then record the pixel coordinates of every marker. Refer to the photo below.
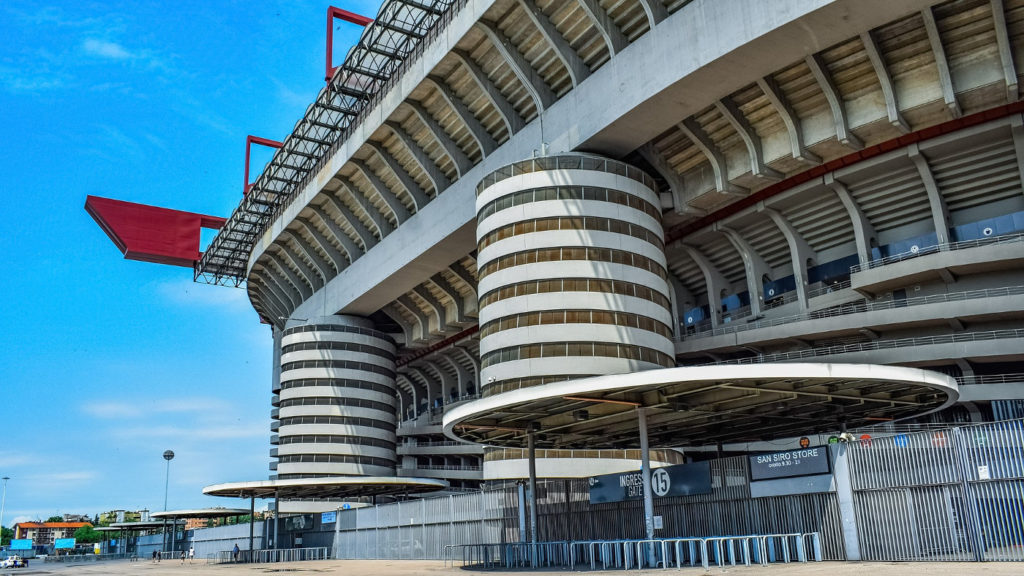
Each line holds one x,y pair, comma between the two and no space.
680,480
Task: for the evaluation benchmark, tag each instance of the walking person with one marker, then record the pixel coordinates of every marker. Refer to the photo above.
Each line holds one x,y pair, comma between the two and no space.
234,552
154,556
182,557
191,554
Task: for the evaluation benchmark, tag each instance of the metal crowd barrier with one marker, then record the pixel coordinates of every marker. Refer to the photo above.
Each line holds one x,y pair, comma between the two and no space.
268,556
720,551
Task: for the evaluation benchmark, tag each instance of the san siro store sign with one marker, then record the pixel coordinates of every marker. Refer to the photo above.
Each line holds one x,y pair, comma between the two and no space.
790,463
680,480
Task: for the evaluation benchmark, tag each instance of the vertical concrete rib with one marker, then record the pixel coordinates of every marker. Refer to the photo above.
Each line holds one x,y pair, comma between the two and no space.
398,210
863,231
378,218
693,131
513,121
1005,50
892,108
339,260
303,288
608,30
354,251
574,65
941,63
534,85
713,281
939,210
462,162
437,178
323,269
754,266
799,250
728,109
655,11
443,285
419,197
819,70
778,100
484,141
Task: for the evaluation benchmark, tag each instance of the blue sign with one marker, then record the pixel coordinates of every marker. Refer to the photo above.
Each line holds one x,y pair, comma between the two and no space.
802,462
21,544
63,543
346,506
328,517
680,480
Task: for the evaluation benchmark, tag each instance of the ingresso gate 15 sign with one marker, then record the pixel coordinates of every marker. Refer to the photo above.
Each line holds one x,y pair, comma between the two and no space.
681,480
802,462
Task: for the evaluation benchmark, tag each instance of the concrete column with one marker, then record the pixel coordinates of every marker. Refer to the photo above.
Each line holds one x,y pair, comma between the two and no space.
252,522
645,473
844,491
531,447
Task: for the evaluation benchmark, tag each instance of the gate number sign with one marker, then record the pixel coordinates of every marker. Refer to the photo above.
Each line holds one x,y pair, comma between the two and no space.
680,480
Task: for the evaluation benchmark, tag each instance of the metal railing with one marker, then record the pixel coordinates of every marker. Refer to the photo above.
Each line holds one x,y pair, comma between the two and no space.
935,249
268,556
859,307
627,554
74,558
878,345
429,467
566,162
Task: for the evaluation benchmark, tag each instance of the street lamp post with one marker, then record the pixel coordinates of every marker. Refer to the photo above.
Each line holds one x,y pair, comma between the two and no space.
3,504
168,455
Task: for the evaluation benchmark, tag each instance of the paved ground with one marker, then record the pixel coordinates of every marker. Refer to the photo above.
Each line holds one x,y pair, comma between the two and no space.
416,568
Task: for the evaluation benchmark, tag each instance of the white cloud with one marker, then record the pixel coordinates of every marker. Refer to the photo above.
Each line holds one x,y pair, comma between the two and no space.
107,49
147,409
198,434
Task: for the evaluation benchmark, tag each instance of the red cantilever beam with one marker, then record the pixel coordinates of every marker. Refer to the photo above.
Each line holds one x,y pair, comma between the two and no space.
249,141
149,233
332,13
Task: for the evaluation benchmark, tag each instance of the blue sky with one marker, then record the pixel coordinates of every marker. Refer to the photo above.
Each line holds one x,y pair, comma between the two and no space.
108,362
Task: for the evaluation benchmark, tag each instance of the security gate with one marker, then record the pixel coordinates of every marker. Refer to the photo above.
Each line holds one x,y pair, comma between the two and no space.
951,494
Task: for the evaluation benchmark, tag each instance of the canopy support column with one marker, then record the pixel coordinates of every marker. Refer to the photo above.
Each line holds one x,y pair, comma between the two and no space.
531,447
645,472
252,525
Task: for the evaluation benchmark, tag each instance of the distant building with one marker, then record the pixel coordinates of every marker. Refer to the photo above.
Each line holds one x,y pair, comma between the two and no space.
77,518
194,523
44,533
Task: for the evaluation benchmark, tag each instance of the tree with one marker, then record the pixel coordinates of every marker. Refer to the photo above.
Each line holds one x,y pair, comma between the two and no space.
5,535
55,519
87,535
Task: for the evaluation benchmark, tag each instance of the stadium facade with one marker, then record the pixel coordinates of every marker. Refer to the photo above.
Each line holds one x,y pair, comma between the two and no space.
494,195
